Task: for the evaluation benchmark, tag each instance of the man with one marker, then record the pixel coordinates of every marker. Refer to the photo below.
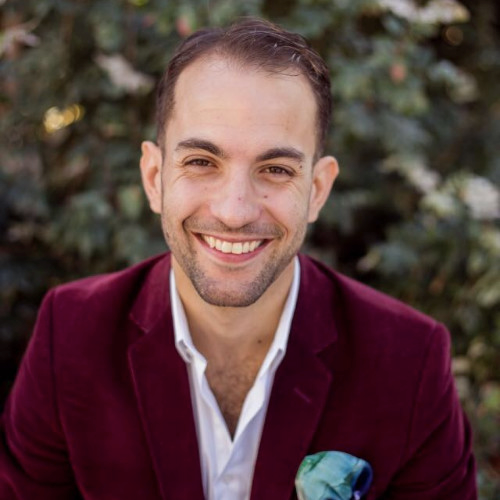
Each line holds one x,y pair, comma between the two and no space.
213,371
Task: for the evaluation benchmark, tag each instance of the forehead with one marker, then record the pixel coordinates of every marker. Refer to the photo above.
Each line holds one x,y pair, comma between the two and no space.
225,99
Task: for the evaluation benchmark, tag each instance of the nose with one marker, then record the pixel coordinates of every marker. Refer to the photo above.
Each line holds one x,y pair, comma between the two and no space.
235,202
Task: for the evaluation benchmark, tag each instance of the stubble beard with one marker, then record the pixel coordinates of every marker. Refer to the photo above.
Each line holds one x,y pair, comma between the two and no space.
229,293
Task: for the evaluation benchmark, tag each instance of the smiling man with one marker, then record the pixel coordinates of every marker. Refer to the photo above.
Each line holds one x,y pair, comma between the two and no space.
214,370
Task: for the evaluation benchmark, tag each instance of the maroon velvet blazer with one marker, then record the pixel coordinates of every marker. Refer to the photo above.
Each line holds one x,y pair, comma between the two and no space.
101,407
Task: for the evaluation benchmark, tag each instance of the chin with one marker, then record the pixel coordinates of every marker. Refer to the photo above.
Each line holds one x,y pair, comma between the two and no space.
232,289
215,296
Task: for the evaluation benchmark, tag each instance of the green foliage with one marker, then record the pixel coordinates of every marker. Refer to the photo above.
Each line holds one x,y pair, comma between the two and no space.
416,130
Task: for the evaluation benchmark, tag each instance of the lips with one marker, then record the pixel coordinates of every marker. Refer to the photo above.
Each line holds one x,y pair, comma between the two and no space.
233,247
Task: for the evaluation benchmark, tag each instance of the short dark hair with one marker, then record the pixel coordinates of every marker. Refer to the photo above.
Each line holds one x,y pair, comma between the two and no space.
260,44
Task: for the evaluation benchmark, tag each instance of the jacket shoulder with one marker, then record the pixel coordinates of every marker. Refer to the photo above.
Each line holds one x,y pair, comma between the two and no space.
112,286
368,314
102,302
361,295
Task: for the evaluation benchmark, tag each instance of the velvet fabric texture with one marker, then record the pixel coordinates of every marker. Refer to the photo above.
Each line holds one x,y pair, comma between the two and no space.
101,407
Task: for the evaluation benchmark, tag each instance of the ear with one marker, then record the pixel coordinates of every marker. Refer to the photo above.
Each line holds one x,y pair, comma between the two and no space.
325,172
151,162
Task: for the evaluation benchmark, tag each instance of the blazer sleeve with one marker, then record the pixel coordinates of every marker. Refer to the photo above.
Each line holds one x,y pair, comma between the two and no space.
438,461
34,460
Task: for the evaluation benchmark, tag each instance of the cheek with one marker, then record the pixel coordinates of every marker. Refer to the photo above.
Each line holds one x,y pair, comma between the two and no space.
288,207
182,198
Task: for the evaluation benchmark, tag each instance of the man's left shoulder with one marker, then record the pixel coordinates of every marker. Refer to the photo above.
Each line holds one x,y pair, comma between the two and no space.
361,311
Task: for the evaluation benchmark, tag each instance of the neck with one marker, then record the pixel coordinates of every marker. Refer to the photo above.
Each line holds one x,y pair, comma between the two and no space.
240,332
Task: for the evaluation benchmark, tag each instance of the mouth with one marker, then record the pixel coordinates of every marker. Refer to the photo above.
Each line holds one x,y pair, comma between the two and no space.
232,247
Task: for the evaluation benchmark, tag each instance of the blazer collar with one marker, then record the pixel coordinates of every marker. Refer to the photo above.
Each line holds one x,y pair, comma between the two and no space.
317,303
153,299
318,313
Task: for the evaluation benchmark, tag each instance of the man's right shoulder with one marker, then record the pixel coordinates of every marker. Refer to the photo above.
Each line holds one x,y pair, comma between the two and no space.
107,296
117,284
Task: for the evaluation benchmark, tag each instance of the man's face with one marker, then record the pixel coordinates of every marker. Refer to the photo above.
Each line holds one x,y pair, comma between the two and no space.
236,185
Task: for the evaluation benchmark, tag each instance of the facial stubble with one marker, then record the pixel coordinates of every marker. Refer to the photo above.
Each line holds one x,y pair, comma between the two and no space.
240,293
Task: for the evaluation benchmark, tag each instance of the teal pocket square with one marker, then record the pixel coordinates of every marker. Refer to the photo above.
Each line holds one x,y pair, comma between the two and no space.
333,475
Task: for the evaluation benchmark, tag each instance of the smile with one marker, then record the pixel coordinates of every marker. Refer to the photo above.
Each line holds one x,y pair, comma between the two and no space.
234,247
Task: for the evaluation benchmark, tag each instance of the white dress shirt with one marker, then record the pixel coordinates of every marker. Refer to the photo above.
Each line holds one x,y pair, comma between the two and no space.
227,464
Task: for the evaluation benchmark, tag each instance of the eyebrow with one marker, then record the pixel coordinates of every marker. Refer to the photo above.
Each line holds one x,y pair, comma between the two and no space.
274,153
270,154
195,143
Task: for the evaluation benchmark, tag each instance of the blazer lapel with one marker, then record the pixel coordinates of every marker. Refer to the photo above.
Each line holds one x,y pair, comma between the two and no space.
300,390
294,410
162,389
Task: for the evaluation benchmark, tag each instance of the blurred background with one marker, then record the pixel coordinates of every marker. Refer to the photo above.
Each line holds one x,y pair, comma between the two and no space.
416,129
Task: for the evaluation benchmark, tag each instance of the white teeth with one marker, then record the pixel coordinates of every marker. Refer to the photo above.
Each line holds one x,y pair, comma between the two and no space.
236,248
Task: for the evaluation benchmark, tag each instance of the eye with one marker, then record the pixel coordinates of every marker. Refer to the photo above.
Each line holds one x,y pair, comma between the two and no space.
199,162
276,170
